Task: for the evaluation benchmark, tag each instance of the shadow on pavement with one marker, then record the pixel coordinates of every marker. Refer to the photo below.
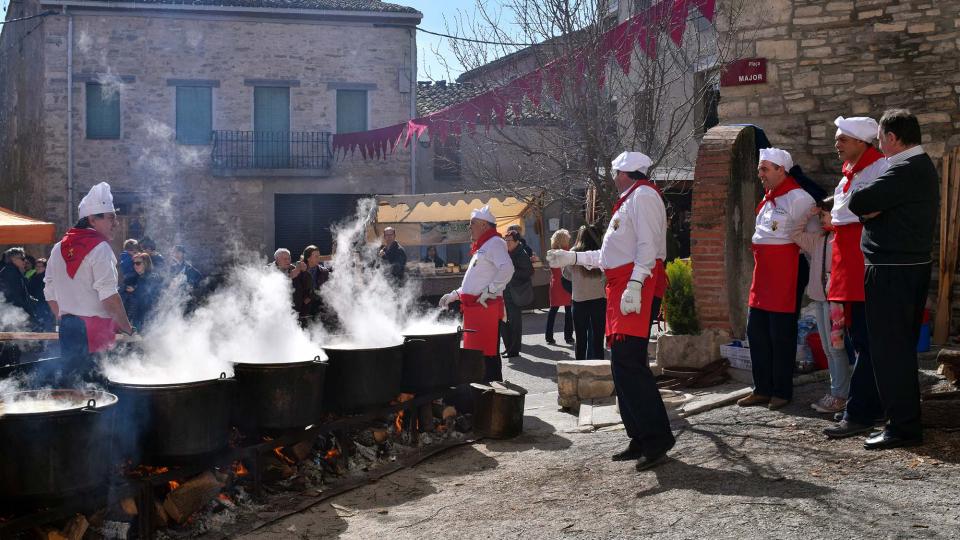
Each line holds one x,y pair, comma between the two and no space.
537,434
675,474
546,370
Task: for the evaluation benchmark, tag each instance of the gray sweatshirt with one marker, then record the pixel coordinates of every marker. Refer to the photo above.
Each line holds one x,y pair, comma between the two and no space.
586,286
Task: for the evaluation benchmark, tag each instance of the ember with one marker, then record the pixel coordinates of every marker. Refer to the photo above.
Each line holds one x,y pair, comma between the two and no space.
332,454
143,471
173,485
283,457
239,470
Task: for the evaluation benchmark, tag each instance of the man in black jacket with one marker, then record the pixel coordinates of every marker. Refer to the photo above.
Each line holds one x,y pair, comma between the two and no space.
13,286
899,216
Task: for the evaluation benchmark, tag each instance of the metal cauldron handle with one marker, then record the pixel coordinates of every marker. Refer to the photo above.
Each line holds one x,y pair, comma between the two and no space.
223,378
467,331
317,360
414,340
91,406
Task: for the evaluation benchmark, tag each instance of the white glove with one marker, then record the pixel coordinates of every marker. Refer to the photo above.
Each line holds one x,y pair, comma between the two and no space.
449,298
630,300
558,258
487,294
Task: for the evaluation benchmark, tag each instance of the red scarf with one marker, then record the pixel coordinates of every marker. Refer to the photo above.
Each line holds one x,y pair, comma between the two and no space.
491,232
788,184
76,245
868,158
638,183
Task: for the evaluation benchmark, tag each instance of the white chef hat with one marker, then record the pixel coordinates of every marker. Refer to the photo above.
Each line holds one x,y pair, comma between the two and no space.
632,161
484,214
777,157
859,127
98,201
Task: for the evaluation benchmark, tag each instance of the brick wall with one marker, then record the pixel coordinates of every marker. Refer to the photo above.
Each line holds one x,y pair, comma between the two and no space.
725,195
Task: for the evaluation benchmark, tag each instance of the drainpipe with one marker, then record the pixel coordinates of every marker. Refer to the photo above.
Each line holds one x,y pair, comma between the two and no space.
413,107
70,220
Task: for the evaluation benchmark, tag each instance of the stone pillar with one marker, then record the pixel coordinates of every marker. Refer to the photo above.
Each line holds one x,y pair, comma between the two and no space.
726,192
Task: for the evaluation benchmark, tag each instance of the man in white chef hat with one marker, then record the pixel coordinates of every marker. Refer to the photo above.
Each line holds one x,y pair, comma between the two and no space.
632,257
862,165
481,293
775,292
81,284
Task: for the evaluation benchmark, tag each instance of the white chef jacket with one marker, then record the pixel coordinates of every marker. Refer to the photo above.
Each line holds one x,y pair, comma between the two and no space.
779,223
490,268
841,214
95,281
637,233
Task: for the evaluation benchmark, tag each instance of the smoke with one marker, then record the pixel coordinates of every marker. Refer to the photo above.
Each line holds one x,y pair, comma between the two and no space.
250,320
12,318
372,309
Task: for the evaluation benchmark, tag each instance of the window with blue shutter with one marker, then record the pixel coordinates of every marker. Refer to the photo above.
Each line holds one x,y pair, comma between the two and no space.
194,114
103,111
351,111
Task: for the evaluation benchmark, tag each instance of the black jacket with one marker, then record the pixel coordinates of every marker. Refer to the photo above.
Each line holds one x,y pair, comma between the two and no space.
906,196
522,273
14,288
396,257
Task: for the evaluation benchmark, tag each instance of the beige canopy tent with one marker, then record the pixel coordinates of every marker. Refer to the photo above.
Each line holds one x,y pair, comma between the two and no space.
19,229
443,218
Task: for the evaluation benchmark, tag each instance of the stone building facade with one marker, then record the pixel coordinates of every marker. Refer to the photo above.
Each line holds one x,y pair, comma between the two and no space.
824,59
267,83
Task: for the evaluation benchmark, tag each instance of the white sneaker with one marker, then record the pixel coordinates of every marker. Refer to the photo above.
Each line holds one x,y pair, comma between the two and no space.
829,404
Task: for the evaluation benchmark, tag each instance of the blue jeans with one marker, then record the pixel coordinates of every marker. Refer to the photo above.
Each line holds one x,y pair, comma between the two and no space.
838,360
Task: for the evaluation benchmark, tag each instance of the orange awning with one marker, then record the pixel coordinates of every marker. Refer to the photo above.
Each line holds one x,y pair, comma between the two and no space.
19,229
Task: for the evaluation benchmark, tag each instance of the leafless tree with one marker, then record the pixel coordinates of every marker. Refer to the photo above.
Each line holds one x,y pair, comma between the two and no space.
659,108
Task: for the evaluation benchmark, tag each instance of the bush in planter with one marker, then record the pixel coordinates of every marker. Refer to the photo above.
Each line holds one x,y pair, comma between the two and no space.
678,308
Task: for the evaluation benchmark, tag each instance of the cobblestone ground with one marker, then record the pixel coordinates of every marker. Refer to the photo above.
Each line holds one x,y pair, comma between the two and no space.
735,473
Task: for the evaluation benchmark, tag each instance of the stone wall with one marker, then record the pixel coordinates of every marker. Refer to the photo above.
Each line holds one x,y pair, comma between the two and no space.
173,185
850,58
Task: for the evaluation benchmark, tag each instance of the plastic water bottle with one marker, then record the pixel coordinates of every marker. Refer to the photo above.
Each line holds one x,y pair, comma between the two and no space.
837,324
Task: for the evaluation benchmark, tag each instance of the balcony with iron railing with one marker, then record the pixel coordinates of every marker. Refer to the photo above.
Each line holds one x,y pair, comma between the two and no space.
271,153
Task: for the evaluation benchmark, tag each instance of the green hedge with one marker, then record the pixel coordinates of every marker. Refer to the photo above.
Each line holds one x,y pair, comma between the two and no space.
678,306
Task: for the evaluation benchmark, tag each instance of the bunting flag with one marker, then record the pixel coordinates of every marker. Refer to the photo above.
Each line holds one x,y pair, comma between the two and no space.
491,106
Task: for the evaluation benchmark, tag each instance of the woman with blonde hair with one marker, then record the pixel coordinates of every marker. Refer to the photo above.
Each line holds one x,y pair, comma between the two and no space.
559,292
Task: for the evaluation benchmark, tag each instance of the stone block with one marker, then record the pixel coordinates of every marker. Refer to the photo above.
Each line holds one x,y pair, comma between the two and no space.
588,388
596,368
785,49
806,80
839,6
878,88
934,118
804,105
922,28
869,14
689,351
890,27
567,386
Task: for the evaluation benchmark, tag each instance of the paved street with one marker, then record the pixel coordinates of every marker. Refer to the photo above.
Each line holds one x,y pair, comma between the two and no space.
735,473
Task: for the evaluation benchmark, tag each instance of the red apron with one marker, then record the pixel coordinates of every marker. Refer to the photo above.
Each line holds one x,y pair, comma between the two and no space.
775,272
484,321
633,324
559,296
847,268
101,333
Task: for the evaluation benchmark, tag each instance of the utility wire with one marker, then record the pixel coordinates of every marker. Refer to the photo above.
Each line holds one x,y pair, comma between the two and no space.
27,18
478,40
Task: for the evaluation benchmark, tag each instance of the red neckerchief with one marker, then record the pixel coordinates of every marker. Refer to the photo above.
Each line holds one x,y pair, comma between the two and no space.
638,183
76,245
788,185
868,158
491,232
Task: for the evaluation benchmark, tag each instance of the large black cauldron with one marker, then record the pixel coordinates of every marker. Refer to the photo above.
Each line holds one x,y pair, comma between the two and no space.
46,456
358,379
173,423
430,361
272,398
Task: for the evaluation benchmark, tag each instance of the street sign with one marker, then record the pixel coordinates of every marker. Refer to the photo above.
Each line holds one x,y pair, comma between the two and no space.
745,71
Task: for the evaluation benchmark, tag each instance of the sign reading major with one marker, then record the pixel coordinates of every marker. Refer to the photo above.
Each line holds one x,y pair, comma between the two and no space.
745,71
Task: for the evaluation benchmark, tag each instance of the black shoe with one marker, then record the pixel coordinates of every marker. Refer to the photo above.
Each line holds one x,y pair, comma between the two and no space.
645,462
877,422
633,451
569,340
846,428
885,440
551,341
511,355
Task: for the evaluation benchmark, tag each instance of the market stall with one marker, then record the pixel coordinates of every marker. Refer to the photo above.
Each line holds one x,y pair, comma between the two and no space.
443,219
17,229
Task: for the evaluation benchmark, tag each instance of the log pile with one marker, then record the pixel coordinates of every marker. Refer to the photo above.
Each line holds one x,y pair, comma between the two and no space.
194,494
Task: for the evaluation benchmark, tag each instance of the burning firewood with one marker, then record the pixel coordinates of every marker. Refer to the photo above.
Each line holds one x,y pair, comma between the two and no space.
182,502
76,528
449,412
129,506
380,436
160,517
301,450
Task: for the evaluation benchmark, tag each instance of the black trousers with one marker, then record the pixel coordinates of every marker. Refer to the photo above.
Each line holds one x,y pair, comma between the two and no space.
863,403
773,351
76,363
641,407
896,296
512,330
589,321
567,323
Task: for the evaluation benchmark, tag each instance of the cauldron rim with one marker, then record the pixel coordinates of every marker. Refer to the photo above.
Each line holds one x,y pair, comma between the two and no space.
103,399
276,365
365,349
169,386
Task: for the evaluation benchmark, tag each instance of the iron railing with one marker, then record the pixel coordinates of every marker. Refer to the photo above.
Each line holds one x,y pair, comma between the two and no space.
271,150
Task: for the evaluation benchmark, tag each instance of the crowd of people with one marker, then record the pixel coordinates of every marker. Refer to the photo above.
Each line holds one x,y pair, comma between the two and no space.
867,269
